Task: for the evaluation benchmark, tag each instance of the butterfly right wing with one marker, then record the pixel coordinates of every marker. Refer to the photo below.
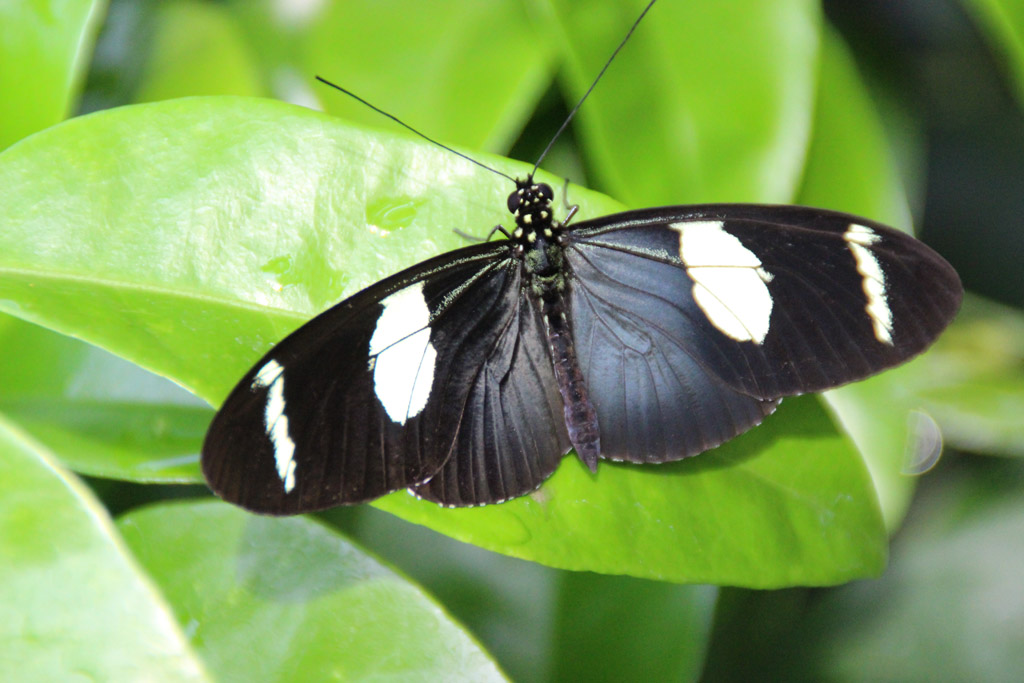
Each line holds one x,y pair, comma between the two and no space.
692,321
369,396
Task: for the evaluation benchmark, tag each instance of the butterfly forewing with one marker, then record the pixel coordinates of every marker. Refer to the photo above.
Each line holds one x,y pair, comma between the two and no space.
367,397
770,300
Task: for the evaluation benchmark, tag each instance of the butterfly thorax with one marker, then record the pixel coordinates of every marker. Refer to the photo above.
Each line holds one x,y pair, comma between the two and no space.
537,241
530,204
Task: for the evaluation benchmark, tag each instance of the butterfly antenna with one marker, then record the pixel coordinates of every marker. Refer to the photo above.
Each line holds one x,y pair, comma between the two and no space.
410,128
587,94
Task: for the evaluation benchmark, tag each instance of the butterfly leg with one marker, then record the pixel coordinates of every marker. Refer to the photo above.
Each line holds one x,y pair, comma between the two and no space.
473,238
570,209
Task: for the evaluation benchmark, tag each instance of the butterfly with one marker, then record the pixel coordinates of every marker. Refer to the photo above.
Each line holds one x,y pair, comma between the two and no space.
646,337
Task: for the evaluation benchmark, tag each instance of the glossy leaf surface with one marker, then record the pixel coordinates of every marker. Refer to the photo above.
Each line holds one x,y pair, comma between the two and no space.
68,586
194,270
306,603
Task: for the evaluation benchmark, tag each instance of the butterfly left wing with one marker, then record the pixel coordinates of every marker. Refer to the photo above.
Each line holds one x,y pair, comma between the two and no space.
368,397
691,321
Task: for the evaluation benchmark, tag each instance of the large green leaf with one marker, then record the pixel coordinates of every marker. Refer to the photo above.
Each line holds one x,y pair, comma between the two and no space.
787,503
101,415
710,101
197,48
219,224
547,624
849,164
468,73
73,603
44,49
507,603
299,600
609,628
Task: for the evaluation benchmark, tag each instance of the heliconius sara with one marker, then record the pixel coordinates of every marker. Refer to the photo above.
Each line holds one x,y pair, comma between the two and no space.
646,336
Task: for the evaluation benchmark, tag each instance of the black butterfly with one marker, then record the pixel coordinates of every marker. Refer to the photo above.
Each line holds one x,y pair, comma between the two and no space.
645,336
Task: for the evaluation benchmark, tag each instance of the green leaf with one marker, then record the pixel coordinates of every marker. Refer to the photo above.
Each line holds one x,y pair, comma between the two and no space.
1002,22
546,624
118,440
219,224
850,168
44,50
300,600
463,73
949,609
101,415
611,627
197,49
850,164
710,101
787,503
980,414
977,394
73,603
507,603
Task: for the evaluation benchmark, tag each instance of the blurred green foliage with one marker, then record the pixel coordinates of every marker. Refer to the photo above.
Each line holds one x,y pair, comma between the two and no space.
185,235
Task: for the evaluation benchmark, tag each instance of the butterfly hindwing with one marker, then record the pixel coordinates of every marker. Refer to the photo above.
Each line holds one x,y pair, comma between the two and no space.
770,300
512,433
367,397
656,398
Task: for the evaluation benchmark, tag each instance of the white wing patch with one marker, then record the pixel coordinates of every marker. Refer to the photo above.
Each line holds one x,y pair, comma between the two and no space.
859,238
729,282
276,422
403,369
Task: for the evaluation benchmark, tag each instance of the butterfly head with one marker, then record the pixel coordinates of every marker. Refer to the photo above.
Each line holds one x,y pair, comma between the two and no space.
530,204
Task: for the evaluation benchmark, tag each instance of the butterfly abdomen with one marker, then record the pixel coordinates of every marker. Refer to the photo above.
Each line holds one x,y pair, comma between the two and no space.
580,416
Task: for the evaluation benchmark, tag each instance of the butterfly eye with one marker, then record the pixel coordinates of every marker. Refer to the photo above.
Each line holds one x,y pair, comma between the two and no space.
513,201
545,192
